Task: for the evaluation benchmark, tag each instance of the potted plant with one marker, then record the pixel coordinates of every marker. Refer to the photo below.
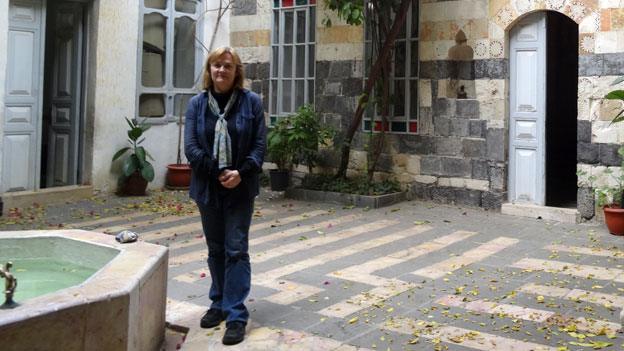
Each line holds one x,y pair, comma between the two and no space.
136,169
611,197
294,140
281,152
178,174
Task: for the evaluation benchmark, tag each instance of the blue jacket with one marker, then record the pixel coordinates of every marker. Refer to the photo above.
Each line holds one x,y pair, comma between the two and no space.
251,128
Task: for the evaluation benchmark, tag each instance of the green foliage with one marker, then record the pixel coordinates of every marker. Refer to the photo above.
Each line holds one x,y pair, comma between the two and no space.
358,185
352,12
614,195
585,179
279,148
137,160
296,139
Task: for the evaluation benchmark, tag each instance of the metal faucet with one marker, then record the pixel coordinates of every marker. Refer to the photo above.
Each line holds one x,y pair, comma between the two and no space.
10,283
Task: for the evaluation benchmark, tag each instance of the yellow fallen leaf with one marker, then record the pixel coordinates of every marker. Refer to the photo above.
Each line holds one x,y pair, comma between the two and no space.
353,320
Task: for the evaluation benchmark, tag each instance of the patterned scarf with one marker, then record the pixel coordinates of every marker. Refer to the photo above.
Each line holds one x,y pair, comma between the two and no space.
222,147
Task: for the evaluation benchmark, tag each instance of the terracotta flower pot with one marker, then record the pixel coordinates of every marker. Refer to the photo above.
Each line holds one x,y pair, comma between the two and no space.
178,176
614,218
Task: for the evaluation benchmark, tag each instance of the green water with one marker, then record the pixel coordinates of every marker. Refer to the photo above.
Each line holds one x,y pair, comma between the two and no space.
39,276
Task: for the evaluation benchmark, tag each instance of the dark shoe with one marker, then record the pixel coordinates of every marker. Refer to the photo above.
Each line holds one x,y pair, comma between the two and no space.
212,318
234,333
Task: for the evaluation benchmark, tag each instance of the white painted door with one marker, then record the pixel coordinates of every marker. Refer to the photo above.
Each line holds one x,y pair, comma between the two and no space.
63,95
527,111
20,137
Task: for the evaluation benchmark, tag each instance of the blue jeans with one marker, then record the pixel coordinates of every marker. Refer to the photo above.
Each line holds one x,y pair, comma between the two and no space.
226,228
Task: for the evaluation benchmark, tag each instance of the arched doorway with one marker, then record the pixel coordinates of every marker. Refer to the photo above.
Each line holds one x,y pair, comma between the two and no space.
543,110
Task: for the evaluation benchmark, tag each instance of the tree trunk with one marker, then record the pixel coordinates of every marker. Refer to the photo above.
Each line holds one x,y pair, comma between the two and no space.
399,21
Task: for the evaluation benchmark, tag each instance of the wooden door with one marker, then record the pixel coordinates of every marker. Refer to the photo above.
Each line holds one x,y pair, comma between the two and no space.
527,112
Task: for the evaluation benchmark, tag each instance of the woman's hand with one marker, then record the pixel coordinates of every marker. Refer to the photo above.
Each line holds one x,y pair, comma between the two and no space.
229,178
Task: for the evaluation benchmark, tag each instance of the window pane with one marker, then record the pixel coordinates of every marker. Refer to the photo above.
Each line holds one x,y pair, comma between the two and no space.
399,59
156,4
311,61
367,125
184,53
287,63
276,3
152,105
274,62
287,3
402,32
414,19
286,96
300,66
153,71
288,27
302,2
301,26
413,96
276,27
310,92
187,6
398,126
399,98
299,93
414,59
273,97
312,25
180,103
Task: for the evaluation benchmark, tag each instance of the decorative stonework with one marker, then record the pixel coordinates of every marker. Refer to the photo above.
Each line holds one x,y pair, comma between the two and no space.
496,49
591,23
505,16
586,43
481,49
576,11
556,5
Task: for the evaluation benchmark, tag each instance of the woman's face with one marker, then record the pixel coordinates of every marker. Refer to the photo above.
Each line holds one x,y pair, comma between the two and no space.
223,72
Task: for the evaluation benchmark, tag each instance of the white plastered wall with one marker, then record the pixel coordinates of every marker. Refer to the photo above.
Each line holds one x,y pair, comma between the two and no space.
115,86
4,32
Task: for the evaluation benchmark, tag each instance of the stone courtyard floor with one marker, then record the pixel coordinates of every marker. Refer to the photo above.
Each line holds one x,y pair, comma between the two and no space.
413,276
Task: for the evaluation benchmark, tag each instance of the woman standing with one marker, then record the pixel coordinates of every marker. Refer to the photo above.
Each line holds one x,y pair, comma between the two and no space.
225,142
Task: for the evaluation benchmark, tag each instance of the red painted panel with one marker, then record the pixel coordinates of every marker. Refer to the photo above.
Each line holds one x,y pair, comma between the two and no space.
287,3
413,127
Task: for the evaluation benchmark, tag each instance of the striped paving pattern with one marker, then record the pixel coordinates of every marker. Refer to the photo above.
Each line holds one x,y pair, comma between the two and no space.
528,314
337,237
465,337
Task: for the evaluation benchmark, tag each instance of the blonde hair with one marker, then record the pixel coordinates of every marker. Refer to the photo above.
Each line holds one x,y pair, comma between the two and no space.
239,77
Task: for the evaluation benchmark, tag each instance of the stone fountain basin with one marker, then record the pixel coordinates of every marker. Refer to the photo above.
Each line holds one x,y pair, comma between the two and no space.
120,307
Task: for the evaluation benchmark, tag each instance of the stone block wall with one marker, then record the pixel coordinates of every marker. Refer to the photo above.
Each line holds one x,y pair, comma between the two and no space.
460,152
250,35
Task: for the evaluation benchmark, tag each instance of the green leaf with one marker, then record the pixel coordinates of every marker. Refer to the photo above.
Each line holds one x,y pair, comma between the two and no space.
120,152
130,123
147,172
131,164
140,154
135,133
615,95
618,118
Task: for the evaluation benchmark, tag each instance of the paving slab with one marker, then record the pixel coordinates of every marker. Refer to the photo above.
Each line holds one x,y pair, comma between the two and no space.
327,277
